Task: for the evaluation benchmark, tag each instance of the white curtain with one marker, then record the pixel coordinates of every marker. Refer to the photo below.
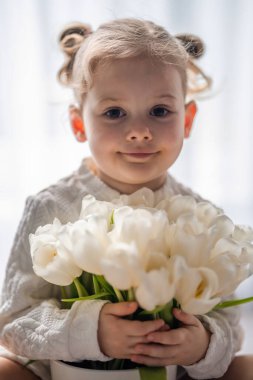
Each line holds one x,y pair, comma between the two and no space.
36,145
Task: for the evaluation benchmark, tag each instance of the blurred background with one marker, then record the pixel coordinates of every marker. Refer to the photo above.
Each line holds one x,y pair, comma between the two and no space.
36,144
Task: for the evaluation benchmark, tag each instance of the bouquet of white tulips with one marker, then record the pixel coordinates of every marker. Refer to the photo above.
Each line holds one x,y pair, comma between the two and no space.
176,252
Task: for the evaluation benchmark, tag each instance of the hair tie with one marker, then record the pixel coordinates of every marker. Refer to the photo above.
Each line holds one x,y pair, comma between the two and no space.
192,44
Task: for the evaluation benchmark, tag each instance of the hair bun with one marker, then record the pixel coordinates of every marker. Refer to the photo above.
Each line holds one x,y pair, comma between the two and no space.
72,37
192,44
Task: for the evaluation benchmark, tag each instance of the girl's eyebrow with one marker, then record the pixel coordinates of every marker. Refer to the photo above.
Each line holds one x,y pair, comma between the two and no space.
112,99
166,96
109,99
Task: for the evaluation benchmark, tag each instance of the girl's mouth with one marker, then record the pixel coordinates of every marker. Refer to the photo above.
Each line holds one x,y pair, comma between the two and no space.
138,155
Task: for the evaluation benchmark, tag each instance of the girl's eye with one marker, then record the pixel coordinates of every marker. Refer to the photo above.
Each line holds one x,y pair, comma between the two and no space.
114,113
159,112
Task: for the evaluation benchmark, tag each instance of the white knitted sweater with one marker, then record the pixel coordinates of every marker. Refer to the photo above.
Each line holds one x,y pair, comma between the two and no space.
33,326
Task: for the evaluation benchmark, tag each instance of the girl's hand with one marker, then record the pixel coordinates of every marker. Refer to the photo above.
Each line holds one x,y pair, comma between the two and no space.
117,337
185,345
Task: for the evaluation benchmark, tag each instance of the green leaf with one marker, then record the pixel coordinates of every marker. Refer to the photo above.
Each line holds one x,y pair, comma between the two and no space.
230,303
153,373
96,284
92,297
105,284
82,292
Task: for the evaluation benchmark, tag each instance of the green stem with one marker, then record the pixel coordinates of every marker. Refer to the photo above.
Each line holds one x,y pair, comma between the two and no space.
63,292
230,303
167,315
104,284
82,292
92,297
152,373
119,295
95,284
130,295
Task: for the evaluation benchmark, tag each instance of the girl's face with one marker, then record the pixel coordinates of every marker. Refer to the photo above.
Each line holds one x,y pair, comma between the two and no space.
134,120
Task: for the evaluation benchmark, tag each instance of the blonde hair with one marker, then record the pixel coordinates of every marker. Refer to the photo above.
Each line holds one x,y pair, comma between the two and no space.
127,38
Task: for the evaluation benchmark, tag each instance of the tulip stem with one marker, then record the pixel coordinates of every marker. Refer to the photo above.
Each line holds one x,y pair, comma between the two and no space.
223,305
81,291
63,292
119,295
130,295
95,284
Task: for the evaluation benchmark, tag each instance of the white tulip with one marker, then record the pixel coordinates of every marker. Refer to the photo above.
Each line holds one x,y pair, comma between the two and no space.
191,224
221,227
91,206
226,245
155,260
243,233
247,256
142,198
247,253
182,242
231,260
177,267
51,229
230,272
89,242
206,212
155,289
121,265
51,259
196,289
144,228
138,243
177,205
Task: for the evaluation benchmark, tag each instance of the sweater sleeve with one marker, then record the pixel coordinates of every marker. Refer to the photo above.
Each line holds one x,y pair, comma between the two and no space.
225,341
32,324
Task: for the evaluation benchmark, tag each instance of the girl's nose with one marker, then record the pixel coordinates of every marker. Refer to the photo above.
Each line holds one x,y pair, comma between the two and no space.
139,134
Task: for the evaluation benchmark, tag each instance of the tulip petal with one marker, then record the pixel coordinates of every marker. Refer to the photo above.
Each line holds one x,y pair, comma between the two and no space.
155,289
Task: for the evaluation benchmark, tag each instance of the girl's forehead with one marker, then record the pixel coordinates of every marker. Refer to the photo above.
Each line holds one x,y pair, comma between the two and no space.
134,66
139,75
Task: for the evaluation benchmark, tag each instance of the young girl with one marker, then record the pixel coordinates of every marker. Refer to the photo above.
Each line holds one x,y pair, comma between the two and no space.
130,79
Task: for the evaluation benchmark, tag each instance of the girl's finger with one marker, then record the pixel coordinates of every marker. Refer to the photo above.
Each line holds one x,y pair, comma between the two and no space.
186,319
165,328
121,309
141,328
156,351
171,337
133,341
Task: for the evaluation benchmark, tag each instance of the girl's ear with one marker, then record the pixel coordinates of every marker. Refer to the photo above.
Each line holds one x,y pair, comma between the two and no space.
76,122
190,112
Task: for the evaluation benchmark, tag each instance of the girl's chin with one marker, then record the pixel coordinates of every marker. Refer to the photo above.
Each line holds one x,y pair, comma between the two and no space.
128,186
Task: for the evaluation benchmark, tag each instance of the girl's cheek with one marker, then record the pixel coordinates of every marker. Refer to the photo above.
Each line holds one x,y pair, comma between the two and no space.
171,134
